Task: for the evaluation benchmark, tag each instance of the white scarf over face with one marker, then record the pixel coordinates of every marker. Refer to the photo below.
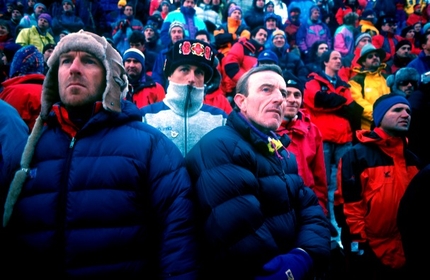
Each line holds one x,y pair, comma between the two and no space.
181,102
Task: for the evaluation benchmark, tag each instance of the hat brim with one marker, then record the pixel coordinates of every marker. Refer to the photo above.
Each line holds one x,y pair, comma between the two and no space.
380,52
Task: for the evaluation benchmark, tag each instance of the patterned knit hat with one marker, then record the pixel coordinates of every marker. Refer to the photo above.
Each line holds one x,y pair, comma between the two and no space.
27,60
193,52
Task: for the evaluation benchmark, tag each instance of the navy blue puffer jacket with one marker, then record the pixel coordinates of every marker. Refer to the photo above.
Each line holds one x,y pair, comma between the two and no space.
253,203
113,203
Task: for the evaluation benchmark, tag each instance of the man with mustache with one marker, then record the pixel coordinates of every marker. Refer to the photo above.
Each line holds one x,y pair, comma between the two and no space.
99,194
374,175
368,82
258,219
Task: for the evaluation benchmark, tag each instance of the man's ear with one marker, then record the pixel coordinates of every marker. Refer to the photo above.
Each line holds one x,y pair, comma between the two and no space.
240,101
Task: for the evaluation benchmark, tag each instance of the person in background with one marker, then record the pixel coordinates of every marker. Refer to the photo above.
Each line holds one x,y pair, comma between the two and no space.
272,225
47,52
142,90
254,17
39,35
373,176
95,179
13,136
15,19
176,33
6,37
230,32
387,37
315,63
186,15
349,62
306,140
367,23
242,57
343,38
368,82
291,26
311,31
409,34
267,57
182,115
329,101
402,57
23,89
67,20
152,39
124,27
137,40
205,12
28,21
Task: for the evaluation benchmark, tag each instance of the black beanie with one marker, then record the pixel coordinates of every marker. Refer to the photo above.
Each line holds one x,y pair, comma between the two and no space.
402,43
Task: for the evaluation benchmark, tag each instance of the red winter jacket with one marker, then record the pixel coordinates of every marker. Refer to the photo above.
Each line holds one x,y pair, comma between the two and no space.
241,57
24,94
307,145
372,178
324,108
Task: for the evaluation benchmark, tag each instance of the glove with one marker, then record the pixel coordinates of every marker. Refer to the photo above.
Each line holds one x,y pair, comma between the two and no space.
294,265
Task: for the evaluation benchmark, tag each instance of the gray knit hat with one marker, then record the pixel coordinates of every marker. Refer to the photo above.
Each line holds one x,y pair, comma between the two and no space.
116,88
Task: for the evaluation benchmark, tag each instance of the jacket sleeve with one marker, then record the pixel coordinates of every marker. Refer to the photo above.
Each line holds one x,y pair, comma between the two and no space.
351,190
171,195
322,100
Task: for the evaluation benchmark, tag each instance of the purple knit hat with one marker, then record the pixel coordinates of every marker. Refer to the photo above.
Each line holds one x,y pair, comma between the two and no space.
47,17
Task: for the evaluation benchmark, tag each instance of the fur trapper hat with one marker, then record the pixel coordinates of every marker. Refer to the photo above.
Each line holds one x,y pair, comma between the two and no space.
403,74
116,78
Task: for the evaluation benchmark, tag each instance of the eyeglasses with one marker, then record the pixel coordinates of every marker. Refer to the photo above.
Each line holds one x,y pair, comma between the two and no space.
407,82
370,56
392,24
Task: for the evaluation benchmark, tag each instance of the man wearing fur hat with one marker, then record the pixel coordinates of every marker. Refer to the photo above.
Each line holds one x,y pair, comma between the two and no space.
99,194
368,82
39,35
182,116
374,175
185,15
142,89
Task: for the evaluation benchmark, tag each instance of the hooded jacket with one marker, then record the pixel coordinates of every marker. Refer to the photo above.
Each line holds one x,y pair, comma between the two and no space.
111,199
374,175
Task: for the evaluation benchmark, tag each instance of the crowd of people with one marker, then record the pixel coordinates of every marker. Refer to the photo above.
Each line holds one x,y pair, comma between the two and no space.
204,139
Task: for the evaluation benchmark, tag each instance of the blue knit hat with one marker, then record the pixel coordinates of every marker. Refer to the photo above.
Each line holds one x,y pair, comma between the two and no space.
27,60
134,53
384,103
267,56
